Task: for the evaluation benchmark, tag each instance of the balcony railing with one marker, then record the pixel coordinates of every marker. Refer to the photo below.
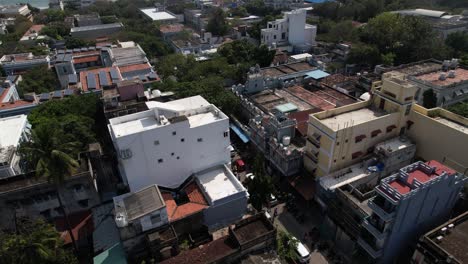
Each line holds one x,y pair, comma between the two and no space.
376,232
376,208
314,141
369,249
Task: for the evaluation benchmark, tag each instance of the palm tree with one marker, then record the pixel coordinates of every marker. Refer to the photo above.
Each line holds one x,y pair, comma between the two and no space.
49,156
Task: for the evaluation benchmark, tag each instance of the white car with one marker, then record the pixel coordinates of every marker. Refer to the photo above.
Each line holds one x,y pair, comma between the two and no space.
302,252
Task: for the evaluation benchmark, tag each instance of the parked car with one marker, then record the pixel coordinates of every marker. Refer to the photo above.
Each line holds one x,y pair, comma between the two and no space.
302,252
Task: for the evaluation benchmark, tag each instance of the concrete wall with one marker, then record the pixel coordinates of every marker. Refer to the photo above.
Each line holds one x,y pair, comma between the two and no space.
179,159
438,141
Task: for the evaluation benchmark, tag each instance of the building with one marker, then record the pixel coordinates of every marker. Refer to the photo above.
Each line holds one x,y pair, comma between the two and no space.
345,194
193,133
18,63
15,129
28,195
32,35
249,235
291,30
343,136
417,198
284,4
14,10
442,22
444,244
96,31
160,16
99,79
88,20
449,83
195,18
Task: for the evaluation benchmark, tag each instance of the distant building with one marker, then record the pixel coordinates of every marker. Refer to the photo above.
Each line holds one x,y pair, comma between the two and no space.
18,63
291,30
14,130
417,198
96,31
161,16
14,10
32,35
88,20
441,21
444,244
284,4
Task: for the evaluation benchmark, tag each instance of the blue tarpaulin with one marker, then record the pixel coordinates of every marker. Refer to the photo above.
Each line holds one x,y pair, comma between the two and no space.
239,133
317,74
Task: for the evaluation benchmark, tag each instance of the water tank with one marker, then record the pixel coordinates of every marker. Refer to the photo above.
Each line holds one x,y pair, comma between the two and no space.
286,140
156,93
121,220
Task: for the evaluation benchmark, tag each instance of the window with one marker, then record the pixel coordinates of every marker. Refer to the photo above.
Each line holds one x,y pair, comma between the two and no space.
359,138
172,154
155,219
408,109
283,35
390,128
160,160
389,94
274,37
200,140
182,139
376,133
409,98
334,161
226,134
83,203
174,133
337,143
178,157
409,123
156,142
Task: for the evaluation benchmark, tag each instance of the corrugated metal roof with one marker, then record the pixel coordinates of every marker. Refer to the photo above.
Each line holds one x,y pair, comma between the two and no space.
317,74
286,108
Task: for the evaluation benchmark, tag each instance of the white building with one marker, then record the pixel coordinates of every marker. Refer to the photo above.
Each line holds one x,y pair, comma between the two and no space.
13,131
291,30
168,143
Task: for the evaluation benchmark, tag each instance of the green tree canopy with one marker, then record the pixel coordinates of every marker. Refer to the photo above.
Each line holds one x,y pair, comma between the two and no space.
38,80
217,23
460,109
429,99
35,242
242,51
261,186
286,246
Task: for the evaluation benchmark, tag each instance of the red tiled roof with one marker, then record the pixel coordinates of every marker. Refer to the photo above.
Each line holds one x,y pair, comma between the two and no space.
135,67
171,28
84,81
18,103
324,98
400,187
215,250
197,203
81,225
33,29
86,59
302,117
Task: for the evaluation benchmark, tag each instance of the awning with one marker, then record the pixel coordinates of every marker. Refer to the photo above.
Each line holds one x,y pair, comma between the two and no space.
458,93
239,133
376,132
360,137
390,128
317,74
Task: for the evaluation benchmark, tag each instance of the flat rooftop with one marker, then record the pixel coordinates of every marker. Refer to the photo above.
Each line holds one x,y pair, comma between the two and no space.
433,77
96,27
394,144
452,124
454,243
157,15
196,110
251,230
140,203
419,67
11,129
286,69
218,183
345,176
355,117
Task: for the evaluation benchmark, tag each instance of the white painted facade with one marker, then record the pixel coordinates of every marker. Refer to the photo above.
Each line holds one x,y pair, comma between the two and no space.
13,131
168,143
289,30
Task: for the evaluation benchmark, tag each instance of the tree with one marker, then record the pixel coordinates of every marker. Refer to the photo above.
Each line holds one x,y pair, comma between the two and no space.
261,186
286,246
364,54
387,59
242,51
38,80
217,24
34,242
56,30
429,99
460,109
48,155
458,41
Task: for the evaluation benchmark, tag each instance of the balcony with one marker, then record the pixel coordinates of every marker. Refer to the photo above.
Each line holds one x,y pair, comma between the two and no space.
315,141
378,208
311,156
374,253
374,230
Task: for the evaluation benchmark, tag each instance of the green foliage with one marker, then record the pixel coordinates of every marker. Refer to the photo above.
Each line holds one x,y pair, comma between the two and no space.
458,42
56,30
242,51
364,54
73,118
255,30
38,80
408,38
331,31
464,60
71,43
258,7
238,12
261,186
359,10
16,31
217,24
199,78
388,59
429,99
34,243
286,245
460,109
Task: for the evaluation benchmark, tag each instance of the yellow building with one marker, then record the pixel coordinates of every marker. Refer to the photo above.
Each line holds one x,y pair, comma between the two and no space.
343,136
